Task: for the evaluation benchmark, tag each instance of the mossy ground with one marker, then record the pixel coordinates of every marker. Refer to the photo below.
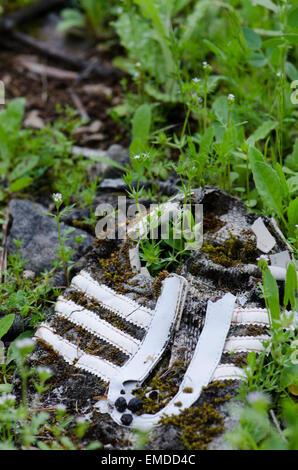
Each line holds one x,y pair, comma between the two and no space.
234,251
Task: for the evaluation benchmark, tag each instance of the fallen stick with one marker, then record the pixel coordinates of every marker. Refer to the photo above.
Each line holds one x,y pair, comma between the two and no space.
45,70
75,62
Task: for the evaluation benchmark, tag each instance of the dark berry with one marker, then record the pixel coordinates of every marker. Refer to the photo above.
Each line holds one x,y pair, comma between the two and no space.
126,419
120,404
135,405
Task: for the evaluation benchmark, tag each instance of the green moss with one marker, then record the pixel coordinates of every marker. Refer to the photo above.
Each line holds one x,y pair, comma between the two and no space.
233,252
167,386
200,424
117,269
212,223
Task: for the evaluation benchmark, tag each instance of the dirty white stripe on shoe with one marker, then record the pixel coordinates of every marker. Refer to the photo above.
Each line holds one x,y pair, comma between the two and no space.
257,316
228,372
110,300
245,343
91,322
75,356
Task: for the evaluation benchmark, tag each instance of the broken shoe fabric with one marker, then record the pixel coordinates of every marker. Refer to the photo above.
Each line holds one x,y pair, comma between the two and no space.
103,320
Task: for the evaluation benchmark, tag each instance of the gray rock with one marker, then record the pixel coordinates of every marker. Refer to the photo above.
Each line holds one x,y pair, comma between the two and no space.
39,234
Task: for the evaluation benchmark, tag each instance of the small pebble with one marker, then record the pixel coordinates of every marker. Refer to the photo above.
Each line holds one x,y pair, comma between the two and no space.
120,404
135,405
126,419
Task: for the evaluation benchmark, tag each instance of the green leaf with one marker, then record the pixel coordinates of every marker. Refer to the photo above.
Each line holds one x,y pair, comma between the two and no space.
291,71
271,43
266,4
71,18
283,181
205,145
5,324
267,182
271,295
141,123
291,285
293,18
19,184
291,160
262,131
107,160
11,118
253,40
13,353
26,165
258,59
217,51
221,109
292,213
194,17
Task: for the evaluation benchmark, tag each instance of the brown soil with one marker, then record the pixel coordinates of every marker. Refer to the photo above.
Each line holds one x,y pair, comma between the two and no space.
44,96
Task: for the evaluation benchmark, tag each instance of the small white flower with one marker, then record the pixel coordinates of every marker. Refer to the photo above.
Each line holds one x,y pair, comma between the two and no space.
231,98
264,257
42,370
253,397
81,420
137,157
138,64
145,155
205,65
196,80
7,397
60,407
57,197
24,343
278,74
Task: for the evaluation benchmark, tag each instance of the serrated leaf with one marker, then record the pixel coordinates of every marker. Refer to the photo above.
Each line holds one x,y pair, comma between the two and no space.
267,181
221,109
